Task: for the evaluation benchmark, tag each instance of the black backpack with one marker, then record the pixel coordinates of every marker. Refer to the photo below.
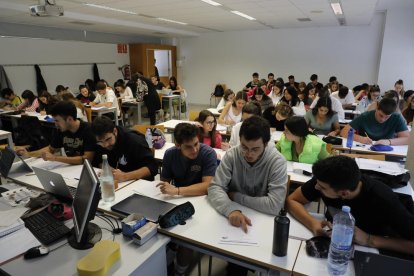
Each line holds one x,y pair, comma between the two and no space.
29,132
218,91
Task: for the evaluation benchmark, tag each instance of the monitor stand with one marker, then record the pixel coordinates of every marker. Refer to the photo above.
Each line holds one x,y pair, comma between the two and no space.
92,234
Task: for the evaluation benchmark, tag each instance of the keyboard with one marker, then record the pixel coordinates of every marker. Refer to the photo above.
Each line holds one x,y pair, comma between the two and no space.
72,191
45,227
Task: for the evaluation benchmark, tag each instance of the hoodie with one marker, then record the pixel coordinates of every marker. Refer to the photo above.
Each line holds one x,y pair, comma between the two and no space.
261,186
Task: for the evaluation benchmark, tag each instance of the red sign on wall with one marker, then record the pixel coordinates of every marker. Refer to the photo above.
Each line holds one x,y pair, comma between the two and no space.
122,49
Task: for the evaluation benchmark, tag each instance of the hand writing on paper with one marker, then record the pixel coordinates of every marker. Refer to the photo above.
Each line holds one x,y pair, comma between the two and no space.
119,175
365,140
167,188
47,156
237,219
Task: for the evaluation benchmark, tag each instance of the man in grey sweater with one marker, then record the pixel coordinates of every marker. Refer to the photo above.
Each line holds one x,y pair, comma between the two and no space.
252,174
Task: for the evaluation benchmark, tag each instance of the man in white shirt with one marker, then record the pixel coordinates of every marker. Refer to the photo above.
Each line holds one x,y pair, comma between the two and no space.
105,98
336,104
345,96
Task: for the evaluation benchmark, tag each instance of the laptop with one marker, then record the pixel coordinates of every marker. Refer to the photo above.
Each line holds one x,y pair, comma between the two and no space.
6,162
149,207
53,183
375,264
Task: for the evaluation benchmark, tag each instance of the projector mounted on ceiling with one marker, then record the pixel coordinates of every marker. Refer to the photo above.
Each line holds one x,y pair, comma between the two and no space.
46,8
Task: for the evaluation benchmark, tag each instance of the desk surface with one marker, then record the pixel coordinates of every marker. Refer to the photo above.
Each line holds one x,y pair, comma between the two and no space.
201,233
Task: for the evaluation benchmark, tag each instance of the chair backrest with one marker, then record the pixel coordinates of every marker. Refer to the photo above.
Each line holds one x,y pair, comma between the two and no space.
143,128
193,115
380,157
88,111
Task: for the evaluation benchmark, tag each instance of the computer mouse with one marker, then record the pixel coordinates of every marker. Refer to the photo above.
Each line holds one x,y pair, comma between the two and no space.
35,252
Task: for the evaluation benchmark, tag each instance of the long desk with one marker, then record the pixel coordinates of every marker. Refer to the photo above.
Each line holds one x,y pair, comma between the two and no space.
7,135
170,99
134,104
203,231
99,111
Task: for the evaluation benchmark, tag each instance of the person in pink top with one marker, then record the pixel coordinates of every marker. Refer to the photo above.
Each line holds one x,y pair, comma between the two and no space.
208,134
30,102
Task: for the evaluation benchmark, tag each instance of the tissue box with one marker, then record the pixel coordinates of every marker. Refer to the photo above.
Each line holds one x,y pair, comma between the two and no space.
132,223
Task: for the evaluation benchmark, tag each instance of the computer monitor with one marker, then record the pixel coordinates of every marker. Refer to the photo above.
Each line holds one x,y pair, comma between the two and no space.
84,233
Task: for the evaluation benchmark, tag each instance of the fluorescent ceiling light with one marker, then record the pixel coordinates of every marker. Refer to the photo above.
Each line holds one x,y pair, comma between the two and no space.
211,2
336,7
243,15
109,8
172,21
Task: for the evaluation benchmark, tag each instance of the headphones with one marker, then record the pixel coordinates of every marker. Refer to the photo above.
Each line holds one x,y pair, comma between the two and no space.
59,210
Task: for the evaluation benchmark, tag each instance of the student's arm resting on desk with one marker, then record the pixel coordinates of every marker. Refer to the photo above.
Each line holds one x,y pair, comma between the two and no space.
276,187
196,189
223,114
132,175
395,244
295,205
72,160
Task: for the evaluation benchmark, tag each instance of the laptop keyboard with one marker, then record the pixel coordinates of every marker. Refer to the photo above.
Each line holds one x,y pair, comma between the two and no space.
45,227
72,191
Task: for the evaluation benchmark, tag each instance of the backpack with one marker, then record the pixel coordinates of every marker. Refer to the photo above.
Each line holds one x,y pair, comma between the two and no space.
218,91
29,132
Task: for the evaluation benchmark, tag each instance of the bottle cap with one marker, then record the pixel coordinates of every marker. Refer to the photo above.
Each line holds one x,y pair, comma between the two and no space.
104,156
346,209
282,212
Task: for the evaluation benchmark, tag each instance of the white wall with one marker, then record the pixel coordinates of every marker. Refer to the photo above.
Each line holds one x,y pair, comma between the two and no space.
41,51
351,53
397,58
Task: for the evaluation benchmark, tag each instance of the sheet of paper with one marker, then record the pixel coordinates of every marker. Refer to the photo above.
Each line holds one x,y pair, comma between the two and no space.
17,243
98,107
302,167
11,216
390,168
50,165
236,236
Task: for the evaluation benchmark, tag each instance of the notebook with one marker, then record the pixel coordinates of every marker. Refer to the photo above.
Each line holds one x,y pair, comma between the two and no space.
149,207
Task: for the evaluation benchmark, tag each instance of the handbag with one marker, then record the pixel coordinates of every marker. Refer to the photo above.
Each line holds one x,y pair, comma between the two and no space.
332,140
177,215
158,138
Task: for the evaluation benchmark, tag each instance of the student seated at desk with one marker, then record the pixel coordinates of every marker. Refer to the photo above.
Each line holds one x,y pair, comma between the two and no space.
11,99
298,144
232,111
187,170
277,115
291,98
127,150
105,98
208,133
46,102
381,219
345,97
85,95
30,102
383,125
227,97
322,119
74,136
124,91
252,174
249,110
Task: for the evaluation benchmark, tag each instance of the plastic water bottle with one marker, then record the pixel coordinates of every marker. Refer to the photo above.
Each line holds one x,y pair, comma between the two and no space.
341,242
107,181
281,234
148,137
350,139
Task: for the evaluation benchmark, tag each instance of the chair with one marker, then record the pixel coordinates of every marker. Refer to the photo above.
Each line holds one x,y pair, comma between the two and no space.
193,115
88,111
217,93
379,157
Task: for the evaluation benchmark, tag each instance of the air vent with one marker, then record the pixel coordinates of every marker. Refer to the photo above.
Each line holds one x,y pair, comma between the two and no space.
81,23
304,19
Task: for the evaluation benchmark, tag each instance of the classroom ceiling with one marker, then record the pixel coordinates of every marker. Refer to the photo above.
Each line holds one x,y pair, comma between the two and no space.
143,15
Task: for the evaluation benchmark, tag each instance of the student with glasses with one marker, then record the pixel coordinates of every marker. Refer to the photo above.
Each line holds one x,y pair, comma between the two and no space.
127,150
71,134
252,174
208,133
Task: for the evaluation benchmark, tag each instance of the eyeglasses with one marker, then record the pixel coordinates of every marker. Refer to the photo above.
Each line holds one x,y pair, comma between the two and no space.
256,150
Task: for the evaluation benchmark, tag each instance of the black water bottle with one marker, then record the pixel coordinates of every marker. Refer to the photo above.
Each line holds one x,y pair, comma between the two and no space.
281,234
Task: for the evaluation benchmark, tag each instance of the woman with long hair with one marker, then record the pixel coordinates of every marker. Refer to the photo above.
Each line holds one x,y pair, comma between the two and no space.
80,108
408,112
373,97
208,134
46,102
124,91
85,96
227,97
299,144
260,97
30,102
291,97
277,93
232,112
277,115
322,119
